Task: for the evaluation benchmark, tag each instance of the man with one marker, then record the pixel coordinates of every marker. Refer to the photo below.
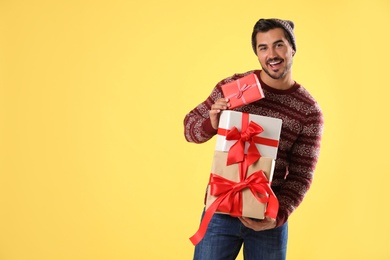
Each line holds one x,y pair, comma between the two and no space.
273,42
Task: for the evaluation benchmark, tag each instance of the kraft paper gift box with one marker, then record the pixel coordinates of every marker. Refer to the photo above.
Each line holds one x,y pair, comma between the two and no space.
243,91
266,142
232,190
251,207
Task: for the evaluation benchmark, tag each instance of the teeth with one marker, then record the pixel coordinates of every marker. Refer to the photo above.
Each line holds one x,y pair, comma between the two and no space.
274,63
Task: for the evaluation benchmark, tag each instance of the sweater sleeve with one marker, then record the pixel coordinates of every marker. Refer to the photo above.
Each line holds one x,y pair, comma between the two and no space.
303,158
197,124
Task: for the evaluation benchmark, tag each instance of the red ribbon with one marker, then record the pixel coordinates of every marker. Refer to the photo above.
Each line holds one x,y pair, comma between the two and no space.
229,198
236,152
241,90
248,134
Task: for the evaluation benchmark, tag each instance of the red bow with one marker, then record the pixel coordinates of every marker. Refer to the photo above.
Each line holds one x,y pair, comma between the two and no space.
230,190
236,152
242,89
228,193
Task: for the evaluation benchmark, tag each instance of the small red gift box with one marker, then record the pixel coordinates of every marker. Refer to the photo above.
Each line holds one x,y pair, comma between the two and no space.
243,91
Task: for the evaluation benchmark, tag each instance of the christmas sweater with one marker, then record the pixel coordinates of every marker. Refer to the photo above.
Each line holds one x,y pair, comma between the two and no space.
300,137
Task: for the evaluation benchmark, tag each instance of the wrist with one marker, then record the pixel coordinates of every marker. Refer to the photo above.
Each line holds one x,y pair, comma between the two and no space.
208,127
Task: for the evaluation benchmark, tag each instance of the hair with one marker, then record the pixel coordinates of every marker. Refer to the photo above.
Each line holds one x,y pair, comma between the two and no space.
264,25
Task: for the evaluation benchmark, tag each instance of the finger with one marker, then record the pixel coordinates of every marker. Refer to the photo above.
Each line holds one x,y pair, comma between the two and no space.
214,114
249,220
255,225
222,102
246,221
219,106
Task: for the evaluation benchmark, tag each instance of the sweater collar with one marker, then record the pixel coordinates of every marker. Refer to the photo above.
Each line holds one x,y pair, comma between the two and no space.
274,90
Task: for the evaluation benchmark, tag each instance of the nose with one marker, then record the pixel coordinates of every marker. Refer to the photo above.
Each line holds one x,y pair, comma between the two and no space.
271,53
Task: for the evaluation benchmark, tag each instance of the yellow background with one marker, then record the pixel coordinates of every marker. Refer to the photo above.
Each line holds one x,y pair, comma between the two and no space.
93,161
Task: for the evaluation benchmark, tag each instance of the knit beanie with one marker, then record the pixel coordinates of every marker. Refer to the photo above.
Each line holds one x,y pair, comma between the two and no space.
288,26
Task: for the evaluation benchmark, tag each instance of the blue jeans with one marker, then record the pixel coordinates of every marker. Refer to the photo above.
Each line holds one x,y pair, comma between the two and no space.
226,234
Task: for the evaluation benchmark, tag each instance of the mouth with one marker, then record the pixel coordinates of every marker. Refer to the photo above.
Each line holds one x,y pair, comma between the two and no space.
275,64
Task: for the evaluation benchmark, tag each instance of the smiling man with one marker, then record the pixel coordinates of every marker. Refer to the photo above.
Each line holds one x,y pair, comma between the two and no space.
273,42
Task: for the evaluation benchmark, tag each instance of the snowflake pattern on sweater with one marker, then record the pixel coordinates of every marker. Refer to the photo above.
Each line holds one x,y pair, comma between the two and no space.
300,137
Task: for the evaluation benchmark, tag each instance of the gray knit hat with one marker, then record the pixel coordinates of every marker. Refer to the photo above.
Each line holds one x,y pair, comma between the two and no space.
266,24
288,26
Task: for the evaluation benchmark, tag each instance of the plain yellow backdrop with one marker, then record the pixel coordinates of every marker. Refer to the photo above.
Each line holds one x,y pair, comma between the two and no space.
93,161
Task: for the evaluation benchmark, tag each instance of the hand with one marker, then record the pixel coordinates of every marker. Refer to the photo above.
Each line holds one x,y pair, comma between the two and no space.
219,105
258,225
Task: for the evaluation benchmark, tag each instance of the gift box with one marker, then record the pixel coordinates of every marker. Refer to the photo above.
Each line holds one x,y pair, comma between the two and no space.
243,91
238,190
242,133
245,201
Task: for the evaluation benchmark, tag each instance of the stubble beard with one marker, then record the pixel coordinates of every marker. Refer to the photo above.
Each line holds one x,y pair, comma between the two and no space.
282,75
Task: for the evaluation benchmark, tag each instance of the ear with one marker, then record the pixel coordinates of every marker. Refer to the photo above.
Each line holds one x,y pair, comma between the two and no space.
293,53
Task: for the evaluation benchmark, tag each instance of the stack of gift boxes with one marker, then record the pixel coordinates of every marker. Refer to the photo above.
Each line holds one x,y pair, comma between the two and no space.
244,159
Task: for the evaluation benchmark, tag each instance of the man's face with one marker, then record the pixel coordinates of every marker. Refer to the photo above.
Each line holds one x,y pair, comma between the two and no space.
274,52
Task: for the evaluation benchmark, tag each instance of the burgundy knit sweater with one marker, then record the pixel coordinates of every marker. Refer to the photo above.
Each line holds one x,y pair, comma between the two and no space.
299,140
